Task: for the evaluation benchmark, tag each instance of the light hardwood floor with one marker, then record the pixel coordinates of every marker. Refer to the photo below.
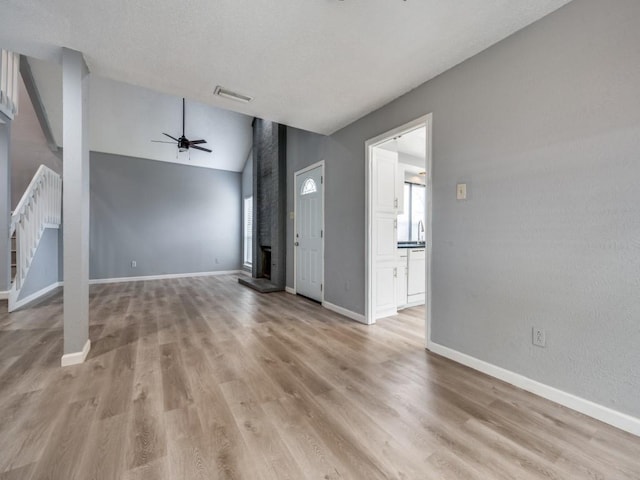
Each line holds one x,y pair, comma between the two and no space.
203,379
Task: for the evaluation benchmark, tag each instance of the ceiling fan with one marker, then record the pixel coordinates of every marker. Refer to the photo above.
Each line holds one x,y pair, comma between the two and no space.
184,144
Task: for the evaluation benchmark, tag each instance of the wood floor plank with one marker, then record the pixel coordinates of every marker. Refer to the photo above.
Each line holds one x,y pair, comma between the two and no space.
63,454
147,437
202,378
259,433
174,380
103,456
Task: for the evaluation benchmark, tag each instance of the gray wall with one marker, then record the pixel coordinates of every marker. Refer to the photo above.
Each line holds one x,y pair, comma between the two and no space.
44,269
168,218
247,177
5,202
29,148
303,149
545,129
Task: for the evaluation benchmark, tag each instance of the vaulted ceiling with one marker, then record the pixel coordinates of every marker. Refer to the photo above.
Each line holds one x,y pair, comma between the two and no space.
312,64
124,119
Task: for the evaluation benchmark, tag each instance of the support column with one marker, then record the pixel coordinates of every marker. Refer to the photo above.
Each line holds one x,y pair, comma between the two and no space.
75,201
5,203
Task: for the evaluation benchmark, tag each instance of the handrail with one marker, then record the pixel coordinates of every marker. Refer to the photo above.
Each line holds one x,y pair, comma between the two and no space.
40,207
28,195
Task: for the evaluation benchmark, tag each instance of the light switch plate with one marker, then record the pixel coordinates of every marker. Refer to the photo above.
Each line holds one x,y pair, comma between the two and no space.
461,191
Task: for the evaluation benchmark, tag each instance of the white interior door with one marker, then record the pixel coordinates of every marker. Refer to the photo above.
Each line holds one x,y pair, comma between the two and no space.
384,233
309,232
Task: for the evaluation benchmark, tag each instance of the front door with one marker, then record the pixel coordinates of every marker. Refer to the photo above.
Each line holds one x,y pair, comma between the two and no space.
309,233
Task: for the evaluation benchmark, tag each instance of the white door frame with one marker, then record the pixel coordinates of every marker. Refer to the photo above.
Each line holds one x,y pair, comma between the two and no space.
295,224
426,121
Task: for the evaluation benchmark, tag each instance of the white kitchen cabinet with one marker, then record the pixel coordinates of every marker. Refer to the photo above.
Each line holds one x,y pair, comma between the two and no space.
416,276
400,188
384,233
401,280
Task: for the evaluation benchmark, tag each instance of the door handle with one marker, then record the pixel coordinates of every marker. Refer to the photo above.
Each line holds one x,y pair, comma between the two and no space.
297,243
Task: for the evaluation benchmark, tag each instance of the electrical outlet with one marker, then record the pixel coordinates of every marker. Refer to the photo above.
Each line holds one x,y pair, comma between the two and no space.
539,337
134,264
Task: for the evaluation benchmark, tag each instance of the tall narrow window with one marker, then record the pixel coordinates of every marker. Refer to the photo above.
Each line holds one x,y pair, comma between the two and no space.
248,231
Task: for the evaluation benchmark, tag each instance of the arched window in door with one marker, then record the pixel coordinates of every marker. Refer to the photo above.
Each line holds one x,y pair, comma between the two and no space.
308,186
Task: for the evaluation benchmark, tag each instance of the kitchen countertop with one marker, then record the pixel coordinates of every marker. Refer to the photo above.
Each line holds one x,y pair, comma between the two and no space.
411,245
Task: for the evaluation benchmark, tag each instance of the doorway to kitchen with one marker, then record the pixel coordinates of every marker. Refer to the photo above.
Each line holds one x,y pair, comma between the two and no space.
398,220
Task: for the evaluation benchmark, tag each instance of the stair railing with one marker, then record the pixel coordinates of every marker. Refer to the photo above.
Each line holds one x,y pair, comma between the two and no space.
40,207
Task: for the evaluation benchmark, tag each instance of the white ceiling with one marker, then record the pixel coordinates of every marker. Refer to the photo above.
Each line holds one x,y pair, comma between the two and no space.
124,119
413,143
312,64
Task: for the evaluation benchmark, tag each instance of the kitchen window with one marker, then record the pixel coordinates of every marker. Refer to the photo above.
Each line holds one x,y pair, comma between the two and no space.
411,222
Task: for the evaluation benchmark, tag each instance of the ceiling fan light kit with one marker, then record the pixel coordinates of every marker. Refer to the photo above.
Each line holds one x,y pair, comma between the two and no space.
183,143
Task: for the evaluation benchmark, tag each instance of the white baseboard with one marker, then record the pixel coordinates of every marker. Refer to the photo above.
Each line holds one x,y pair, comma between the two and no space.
33,297
76,357
343,311
599,412
290,290
99,281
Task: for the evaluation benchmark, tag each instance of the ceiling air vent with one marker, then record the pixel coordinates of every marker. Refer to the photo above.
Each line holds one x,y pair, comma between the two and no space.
238,97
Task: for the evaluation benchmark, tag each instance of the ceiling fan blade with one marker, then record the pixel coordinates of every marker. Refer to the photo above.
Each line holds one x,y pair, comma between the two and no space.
162,141
172,138
197,142
201,148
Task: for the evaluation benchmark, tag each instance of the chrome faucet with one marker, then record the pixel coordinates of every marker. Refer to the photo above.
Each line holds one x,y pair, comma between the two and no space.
420,230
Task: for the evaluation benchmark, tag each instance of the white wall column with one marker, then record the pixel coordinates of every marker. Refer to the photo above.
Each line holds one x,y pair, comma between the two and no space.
75,200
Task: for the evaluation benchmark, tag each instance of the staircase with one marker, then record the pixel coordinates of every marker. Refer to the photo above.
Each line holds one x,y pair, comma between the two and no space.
14,256
40,207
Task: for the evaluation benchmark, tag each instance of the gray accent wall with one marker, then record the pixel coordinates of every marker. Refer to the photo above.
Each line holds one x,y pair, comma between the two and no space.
544,127
169,218
44,270
5,202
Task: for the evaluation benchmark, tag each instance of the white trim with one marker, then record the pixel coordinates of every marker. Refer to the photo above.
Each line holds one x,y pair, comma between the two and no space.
76,357
100,281
343,311
290,290
426,121
33,297
295,220
6,111
599,412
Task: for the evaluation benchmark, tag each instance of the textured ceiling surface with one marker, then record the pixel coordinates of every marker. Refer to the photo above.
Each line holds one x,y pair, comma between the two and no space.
312,64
